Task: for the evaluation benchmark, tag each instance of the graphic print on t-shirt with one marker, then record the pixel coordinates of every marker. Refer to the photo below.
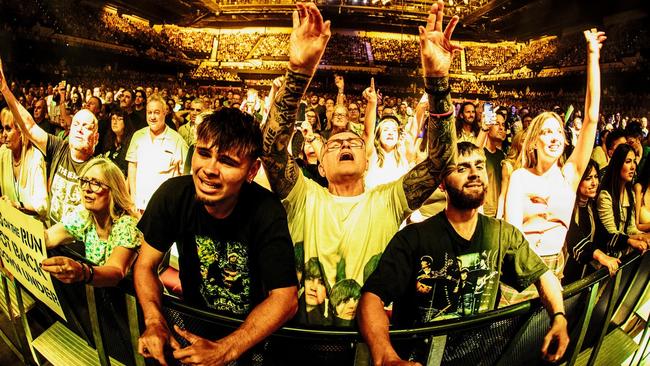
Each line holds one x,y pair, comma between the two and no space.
225,273
456,287
65,193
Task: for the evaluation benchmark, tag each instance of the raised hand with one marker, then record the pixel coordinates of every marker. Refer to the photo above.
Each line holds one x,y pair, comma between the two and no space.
594,39
339,81
308,39
370,95
436,49
3,79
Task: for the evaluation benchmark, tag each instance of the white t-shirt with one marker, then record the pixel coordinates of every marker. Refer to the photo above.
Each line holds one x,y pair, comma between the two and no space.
159,158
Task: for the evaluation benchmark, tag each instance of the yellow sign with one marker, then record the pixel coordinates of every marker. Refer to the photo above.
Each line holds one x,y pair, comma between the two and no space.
22,247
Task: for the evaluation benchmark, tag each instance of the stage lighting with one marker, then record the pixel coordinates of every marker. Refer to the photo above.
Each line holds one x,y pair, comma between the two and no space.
374,2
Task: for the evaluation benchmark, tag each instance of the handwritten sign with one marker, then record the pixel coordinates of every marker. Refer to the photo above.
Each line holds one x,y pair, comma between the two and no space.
22,248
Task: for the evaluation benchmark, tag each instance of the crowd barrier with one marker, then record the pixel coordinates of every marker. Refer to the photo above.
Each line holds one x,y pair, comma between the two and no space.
595,306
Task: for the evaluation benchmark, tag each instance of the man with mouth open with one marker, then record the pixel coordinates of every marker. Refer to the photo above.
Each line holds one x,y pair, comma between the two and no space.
346,227
235,251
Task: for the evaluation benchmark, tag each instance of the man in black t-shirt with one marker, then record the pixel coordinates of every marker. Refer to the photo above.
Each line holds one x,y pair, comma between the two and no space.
235,252
455,272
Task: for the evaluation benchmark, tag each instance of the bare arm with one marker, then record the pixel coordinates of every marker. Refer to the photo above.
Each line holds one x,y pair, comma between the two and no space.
373,325
57,235
506,171
280,306
340,86
68,270
148,289
133,168
550,292
306,46
371,117
22,117
582,152
115,268
436,52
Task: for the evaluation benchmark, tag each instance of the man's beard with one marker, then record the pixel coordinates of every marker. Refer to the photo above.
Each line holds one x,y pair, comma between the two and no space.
466,201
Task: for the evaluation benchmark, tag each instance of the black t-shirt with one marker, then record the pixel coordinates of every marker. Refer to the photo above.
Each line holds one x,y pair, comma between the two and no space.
430,272
225,264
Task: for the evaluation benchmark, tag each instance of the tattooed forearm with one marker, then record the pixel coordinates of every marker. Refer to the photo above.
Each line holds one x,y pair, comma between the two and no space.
424,178
280,167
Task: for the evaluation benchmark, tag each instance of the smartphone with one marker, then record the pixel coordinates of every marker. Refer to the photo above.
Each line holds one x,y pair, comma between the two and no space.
488,113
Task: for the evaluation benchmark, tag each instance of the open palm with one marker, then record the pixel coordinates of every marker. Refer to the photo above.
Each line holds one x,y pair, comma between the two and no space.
436,48
308,38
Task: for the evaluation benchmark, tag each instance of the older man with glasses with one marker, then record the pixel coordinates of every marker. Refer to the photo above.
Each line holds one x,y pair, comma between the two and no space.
345,227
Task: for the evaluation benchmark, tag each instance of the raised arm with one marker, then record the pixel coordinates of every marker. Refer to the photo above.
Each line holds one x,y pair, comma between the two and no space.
436,51
370,95
582,152
306,47
22,117
340,86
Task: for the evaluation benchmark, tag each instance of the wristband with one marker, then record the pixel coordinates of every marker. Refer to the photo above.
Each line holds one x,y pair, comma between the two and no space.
556,314
441,115
83,272
92,274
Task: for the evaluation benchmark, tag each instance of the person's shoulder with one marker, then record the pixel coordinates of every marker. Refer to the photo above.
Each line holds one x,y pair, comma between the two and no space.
178,186
432,224
139,133
174,134
255,194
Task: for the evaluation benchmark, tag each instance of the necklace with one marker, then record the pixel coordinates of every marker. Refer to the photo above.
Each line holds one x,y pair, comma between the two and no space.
15,164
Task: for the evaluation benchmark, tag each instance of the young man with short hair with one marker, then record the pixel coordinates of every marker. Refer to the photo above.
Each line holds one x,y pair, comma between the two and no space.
456,272
235,251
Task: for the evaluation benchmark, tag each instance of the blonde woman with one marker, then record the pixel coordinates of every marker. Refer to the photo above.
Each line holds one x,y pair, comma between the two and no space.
541,193
106,225
22,167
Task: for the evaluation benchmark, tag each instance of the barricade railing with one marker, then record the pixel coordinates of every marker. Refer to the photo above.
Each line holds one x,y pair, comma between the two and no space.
512,335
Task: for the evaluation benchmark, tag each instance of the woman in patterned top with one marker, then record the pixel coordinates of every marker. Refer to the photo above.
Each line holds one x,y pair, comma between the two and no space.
106,224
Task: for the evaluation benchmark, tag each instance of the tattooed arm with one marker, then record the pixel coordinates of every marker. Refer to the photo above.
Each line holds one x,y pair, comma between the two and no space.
306,47
436,51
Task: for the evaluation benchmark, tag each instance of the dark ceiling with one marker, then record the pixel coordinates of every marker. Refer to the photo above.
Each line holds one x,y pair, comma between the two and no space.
495,20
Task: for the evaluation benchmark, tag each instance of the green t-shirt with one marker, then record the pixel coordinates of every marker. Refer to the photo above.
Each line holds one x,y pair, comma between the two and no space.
338,241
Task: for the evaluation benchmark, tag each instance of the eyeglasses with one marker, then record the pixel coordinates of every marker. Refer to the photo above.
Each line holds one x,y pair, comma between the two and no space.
335,144
94,185
340,114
